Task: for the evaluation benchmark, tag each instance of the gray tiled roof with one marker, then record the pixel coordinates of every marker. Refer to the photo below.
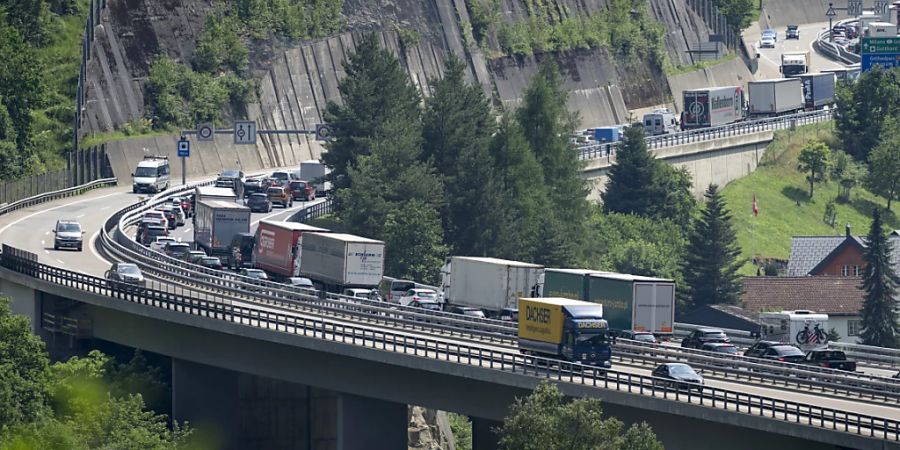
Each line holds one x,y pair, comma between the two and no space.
808,251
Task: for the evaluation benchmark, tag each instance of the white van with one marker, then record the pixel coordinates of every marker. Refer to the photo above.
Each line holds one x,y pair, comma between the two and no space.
151,175
660,121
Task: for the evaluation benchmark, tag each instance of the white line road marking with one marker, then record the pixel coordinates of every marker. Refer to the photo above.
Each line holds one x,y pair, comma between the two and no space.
46,233
80,216
104,208
187,230
47,251
2,230
43,243
59,261
93,250
283,211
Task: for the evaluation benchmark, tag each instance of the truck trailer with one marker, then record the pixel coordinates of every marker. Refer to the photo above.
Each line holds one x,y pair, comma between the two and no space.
336,261
314,172
818,89
631,302
793,64
711,107
214,193
490,284
216,223
563,328
775,97
277,249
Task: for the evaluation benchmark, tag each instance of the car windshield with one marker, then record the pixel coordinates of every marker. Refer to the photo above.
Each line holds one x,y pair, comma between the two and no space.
259,197
156,231
729,349
681,369
426,294
212,260
789,351
280,175
145,172
274,190
68,227
229,174
646,337
256,273
592,339
129,270
714,334
298,185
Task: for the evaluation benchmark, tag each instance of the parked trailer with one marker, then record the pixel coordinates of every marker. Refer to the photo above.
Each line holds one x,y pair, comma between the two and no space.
336,261
564,328
277,249
804,329
712,107
818,90
216,223
775,97
489,284
631,302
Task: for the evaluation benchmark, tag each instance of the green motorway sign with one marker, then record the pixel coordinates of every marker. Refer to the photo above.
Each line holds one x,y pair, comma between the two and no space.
881,45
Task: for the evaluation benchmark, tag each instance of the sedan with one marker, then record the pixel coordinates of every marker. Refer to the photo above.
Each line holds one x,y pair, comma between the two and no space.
641,336
768,32
125,273
195,256
420,295
259,203
784,353
720,347
677,375
211,262
767,42
254,273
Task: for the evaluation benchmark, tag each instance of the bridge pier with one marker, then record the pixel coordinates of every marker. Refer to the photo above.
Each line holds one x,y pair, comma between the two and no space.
483,436
243,411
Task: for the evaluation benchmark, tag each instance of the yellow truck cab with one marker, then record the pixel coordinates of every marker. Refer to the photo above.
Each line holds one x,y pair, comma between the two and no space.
573,330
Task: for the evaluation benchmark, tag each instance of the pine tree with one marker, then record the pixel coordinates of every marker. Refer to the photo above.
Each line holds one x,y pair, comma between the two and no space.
879,311
414,242
630,186
711,261
375,90
457,128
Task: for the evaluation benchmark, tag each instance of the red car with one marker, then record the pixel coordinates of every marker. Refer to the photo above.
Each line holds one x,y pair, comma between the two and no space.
302,190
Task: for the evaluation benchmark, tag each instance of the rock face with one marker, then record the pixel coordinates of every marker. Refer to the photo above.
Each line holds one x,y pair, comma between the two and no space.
297,82
428,429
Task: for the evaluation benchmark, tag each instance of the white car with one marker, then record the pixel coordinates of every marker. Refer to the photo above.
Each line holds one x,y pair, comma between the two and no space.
419,296
367,294
767,42
160,243
155,218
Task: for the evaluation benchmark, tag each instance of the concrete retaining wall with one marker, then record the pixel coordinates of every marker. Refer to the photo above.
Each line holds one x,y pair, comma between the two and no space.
719,161
779,13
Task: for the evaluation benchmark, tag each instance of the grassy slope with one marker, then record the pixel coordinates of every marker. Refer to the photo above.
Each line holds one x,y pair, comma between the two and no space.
785,209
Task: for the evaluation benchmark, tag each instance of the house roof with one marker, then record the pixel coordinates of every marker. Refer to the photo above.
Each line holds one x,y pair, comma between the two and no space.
851,241
836,296
808,252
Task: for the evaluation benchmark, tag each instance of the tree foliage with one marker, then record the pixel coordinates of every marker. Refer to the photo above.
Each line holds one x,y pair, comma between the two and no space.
884,163
545,420
862,107
375,90
815,158
879,311
22,88
711,261
414,242
23,369
738,13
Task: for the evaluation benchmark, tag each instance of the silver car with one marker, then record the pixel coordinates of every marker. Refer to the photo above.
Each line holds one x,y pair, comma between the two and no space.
68,233
125,273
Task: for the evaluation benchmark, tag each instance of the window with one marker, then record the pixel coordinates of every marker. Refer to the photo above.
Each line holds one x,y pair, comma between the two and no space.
845,270
855,271
854,327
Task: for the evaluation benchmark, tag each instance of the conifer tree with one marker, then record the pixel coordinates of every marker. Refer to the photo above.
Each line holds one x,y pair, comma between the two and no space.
375,90
631,181
711,261
879,311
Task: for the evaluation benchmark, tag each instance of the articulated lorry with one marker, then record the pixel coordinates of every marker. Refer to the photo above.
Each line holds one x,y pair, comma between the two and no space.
631,302
278,250
775,97
564,328
337,261
490,284
712,107
216,223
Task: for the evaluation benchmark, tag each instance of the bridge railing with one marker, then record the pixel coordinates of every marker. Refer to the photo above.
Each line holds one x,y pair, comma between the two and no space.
54,195
565,373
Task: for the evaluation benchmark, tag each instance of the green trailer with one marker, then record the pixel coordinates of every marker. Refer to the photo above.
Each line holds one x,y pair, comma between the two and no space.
630,302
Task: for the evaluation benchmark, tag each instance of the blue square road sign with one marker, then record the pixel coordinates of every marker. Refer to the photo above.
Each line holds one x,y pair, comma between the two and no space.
184,148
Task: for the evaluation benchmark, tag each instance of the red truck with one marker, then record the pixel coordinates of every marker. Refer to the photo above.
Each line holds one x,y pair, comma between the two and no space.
277,249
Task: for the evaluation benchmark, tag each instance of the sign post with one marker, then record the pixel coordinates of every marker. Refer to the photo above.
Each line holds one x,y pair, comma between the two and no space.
184,152
830,14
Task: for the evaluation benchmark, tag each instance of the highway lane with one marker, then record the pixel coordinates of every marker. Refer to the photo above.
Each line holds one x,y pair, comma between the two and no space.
770,58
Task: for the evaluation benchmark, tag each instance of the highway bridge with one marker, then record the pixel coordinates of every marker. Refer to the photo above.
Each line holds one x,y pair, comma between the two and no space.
355,366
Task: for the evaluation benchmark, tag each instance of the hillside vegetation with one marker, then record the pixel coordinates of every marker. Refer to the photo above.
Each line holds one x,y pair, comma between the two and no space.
785,209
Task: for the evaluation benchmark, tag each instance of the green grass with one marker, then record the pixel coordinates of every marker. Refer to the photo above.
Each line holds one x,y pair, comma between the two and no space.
119,135
670,70
328,221
785,209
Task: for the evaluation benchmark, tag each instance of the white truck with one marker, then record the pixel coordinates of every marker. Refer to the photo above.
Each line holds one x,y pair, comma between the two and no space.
490,284
336,261
775,97
793,64
216,223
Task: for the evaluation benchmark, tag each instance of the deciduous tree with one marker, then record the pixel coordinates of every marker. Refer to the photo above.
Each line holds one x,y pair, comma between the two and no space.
815,158
879,311
546,420
884,163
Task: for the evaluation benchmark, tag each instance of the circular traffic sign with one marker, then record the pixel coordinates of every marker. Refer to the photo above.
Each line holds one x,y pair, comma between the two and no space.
205,131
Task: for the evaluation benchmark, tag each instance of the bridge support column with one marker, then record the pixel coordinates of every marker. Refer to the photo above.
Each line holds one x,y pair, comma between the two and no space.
368,424
483,436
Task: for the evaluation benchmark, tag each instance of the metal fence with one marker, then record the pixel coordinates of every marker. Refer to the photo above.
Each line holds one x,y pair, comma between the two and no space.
84,166
716,21
93,19
507,361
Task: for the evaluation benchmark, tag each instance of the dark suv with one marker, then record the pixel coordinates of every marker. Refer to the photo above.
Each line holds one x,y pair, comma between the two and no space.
793,32
759,348
259,203
786,353
702,336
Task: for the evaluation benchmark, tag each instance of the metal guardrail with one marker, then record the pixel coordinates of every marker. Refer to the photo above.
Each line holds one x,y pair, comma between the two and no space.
595,151
486,359
53,195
